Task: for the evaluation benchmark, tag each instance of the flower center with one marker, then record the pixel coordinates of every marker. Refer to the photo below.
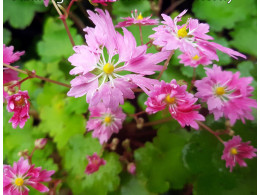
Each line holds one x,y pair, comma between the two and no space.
107,120
182,32
18,181
196,57
233,151
220,91
169,99
140,17
108,68
20,102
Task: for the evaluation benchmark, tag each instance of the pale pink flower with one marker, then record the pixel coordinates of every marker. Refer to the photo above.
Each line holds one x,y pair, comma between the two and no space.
94,162
102,2
105,121
137,19
188,37
9,75
131,168
19,104
180,103
226,94
236,151
46,2
111,65
40,143
16,179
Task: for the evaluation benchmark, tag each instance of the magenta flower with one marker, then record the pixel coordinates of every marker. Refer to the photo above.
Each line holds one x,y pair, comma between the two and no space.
137,19
235,151
188,37
19,104
180,103
102,2
131,168
40,143
226,94
105,121
16,179
10,75
94,162
111,65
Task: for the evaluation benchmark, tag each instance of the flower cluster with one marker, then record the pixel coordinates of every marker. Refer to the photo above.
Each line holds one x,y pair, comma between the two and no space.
94,162
192,40
22,174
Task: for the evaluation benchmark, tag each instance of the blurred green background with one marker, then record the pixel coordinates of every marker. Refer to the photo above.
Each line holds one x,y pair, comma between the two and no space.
171,160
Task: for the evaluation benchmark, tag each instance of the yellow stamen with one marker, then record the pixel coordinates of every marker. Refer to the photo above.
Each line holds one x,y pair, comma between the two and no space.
182,32
233,151
140,17
196,57
220,91
169,99
108,119
108,68
18,181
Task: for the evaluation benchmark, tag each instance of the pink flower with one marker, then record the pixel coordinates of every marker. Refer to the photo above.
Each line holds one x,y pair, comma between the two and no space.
46,2
105,121
94,162
235,151
19,104
111,65
10,75
103,2
137,19
16,179
188,37
180,103
40,143
226,94
131,168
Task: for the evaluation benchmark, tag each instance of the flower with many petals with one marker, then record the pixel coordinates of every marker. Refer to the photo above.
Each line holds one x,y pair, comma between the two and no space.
191,38
19,104
226,94
16,179
111,65
236,151
105,121
137,19
102,2
94,162
180,103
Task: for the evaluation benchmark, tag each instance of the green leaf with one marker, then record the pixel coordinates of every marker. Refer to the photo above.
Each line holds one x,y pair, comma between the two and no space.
128,108
55,43
7,36
221,14
245,36
20,13
160,163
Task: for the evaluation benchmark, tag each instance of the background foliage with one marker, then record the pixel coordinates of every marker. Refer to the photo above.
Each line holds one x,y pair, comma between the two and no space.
172,160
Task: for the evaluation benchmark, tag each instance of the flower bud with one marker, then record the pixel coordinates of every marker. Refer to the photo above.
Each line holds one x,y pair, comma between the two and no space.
40,143
131,168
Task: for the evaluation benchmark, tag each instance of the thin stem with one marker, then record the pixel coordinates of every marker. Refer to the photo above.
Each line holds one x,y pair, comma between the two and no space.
30,157
67,30
70,4
210,130
157,122
141,34
33,75
165,65
19,82
56,7
193,79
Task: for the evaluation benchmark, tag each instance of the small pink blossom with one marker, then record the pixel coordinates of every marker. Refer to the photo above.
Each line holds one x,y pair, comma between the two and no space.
94,162
226,94
131,168
188,37
180,103
16,179
137,19
40,143
46,2
102,65
235,151
102,2
105,121
19,104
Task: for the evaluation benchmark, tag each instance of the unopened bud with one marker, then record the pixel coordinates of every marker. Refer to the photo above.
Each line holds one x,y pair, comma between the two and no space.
40,143
231,132
140,123
227,123
126,144
23,153
181,82
131,168
114,144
